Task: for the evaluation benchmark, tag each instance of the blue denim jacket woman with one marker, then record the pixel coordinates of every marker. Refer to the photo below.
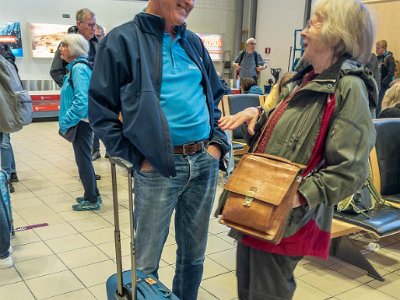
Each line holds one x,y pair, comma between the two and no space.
74,112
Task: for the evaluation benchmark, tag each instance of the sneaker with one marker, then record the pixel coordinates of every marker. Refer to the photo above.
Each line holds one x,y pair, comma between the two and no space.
6,263
82,198
12,190
86,205
96,154
14,177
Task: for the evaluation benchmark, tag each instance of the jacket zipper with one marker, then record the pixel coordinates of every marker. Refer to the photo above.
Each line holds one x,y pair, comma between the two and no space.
169,164
298,133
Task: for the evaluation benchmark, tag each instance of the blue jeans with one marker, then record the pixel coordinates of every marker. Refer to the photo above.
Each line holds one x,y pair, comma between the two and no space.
83,158
7,155
191,194
4,223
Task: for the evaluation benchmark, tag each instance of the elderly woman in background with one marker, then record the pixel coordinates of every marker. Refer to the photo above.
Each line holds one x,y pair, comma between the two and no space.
324,123
73,118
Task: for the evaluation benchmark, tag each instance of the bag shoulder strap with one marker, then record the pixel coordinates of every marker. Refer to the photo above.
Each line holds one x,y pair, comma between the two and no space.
89,64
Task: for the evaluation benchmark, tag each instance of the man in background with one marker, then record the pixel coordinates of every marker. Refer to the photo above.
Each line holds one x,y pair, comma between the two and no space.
249,63
386,66
170,131
99,33
86,26
6,150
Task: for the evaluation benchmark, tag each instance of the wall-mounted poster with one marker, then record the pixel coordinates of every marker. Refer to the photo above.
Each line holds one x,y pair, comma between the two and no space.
10,33
213,43
46,37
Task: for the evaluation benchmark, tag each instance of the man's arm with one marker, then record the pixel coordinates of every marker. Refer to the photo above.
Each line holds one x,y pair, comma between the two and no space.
109,74
260,63
57,69
236,61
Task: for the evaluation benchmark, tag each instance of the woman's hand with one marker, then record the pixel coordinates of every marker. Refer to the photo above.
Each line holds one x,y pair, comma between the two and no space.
249,116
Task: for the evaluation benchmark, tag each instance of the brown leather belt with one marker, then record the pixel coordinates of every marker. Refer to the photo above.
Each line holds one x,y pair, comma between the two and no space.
191,148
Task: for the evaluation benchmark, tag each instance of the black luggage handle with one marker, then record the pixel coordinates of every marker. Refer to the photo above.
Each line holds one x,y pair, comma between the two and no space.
121,291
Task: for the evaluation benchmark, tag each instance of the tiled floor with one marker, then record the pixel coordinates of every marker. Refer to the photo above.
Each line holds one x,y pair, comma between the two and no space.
73,256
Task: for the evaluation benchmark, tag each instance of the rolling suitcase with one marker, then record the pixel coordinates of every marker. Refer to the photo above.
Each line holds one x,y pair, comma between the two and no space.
130,285
5,199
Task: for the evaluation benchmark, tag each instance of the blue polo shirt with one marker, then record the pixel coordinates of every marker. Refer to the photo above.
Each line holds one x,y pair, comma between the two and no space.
182,97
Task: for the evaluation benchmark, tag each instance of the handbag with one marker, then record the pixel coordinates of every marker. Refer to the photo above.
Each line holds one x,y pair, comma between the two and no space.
364,200
259,195
70,134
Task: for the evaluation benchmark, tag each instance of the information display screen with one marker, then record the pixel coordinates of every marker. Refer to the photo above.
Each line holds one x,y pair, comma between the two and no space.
213,44
10,33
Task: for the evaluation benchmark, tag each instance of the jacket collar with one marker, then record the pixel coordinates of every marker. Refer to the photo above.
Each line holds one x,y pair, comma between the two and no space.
154,24
330,74
345,65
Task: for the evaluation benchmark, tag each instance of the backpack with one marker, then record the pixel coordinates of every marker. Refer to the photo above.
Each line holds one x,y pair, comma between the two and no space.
89,64
364,200
255,54
15,102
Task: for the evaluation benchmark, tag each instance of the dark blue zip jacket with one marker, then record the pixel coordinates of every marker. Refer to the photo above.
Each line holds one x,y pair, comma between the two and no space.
127,78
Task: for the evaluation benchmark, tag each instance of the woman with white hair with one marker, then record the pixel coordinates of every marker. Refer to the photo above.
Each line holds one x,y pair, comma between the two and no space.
322,121
73,118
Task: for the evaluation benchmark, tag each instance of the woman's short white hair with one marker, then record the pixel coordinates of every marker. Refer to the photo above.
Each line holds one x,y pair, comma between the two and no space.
347,26
77,44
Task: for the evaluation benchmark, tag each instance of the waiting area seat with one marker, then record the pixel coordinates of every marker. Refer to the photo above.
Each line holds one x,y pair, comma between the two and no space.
388,158
382,221
232,104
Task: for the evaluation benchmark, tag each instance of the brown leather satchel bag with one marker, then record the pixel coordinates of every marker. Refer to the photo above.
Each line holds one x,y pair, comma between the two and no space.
260,195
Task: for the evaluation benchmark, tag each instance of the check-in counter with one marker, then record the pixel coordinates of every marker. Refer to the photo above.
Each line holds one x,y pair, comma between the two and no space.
45,95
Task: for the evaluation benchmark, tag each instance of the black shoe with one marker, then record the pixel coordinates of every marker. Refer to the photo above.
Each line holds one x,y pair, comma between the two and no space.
98,177
14,177
96,154
12,190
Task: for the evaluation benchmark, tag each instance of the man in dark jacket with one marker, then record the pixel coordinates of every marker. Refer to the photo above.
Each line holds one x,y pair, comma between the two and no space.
386,66
85,25
160,77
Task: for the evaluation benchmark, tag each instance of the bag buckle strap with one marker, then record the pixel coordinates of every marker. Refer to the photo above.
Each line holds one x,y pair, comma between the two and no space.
248,200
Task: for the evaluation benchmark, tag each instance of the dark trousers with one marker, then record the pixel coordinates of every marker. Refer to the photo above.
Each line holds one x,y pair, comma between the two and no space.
265,276
83,158
382,92
96,143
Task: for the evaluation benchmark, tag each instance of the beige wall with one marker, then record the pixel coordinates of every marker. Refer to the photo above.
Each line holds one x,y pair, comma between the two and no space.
387,16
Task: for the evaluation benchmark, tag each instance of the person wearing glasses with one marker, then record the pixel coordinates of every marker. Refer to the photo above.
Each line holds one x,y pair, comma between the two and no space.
322,121
99,32
86,26
249,63
74,49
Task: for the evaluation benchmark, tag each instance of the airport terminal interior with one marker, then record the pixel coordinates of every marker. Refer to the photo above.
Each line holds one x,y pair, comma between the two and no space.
63,254
72,256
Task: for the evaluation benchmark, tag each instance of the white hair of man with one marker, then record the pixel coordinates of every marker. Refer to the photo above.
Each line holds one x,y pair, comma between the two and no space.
251,40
